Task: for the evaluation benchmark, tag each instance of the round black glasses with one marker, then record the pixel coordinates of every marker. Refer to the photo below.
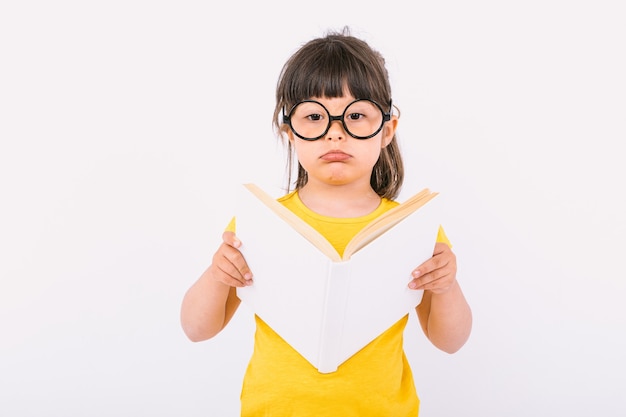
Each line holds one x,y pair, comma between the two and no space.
361,119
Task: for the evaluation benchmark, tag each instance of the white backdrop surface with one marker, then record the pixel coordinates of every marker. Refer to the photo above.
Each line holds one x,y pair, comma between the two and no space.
126,126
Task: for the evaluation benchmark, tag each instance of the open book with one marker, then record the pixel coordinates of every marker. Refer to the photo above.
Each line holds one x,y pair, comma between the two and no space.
325,306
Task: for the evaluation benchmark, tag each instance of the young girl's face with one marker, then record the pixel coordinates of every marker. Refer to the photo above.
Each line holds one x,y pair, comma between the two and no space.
337,158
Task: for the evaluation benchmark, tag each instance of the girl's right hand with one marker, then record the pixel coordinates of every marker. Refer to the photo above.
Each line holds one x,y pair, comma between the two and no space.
229,265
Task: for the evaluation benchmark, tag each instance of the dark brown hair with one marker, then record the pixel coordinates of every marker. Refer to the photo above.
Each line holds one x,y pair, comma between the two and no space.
324,67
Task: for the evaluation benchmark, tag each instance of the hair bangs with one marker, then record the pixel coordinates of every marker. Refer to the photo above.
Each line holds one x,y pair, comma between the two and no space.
329,76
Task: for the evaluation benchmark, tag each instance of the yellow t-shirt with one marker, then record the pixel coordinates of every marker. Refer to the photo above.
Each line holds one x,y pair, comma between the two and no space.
376,381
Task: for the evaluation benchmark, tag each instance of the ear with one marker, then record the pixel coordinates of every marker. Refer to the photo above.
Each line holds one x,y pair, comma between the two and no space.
389,129
286,133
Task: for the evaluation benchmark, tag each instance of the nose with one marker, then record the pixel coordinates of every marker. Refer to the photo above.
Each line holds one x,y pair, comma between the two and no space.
336,130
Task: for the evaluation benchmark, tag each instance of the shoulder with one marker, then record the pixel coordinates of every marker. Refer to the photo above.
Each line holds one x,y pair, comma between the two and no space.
386,204
290,198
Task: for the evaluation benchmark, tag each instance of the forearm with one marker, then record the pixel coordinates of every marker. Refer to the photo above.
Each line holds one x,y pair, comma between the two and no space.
446,318
207,307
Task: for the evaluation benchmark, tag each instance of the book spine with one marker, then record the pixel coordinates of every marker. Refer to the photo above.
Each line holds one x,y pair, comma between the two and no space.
336,300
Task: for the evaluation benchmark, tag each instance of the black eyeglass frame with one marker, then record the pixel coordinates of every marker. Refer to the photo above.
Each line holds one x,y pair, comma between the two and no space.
331,118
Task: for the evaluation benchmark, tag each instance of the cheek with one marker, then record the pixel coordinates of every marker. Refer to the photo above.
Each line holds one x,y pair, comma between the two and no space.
304,150
370,155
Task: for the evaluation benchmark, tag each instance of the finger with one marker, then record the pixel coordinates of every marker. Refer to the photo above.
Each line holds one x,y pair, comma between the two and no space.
226,277
239,262
422,280
437,269
231,239
442,257
439,285
433,282
439,278
236,257
430,266
232,266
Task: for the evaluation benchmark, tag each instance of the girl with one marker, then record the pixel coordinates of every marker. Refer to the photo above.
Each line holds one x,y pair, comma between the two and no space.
334,109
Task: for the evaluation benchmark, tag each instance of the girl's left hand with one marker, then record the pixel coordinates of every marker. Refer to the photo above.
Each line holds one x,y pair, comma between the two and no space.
438,274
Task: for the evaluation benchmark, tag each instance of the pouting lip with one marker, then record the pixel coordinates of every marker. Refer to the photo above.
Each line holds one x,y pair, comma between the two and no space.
335,154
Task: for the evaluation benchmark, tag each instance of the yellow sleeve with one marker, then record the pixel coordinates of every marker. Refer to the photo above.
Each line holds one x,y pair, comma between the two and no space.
442,238
232,226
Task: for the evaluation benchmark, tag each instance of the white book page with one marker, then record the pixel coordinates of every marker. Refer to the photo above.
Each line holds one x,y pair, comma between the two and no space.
329,321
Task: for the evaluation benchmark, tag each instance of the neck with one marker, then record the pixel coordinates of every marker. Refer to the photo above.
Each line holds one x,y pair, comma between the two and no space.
350,200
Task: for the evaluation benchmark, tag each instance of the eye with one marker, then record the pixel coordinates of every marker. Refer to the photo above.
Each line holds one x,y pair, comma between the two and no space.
309,112
355,116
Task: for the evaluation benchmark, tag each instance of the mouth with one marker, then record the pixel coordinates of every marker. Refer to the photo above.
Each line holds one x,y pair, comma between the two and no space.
335,156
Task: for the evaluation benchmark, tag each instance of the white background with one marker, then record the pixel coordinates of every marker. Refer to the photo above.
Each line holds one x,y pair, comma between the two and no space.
125,126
